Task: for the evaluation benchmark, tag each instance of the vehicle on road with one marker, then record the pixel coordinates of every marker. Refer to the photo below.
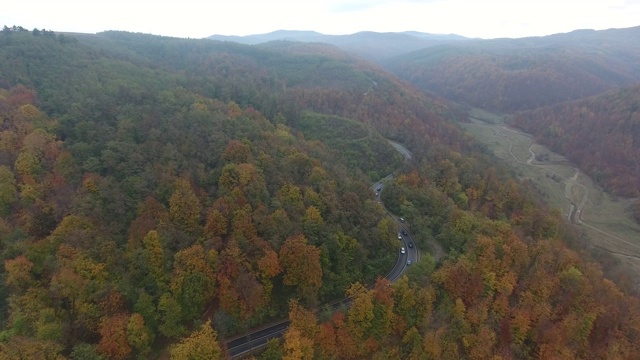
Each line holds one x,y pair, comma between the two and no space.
408,262
399,236
401,220
410,245
402,250
379,189
404,232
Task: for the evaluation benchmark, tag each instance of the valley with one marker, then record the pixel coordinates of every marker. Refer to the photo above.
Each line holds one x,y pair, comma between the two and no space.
601,219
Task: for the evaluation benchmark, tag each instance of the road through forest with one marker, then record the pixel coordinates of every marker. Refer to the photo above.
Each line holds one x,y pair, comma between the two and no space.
258,338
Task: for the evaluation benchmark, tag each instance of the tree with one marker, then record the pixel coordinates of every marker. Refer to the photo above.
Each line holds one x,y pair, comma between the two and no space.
296,346
154,256
8,190
313,223
113,342
84,351
290,197
200,345
237,152
170,316
184,208
22,347
18,273
273,351
361,312
303,320
301,264
138,335
192,280
214,228
412,342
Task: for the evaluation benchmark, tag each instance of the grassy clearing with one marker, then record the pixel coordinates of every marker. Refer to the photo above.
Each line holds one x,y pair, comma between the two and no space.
606,222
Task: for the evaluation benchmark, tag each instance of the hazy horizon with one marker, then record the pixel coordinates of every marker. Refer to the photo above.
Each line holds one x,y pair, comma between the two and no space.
192,19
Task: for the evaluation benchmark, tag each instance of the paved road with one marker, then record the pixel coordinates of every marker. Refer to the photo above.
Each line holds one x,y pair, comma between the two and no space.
259,337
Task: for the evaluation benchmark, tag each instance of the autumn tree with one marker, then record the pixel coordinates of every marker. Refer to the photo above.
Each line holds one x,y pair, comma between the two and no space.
18,273
301,265
113,342
297,346
184,208
201,344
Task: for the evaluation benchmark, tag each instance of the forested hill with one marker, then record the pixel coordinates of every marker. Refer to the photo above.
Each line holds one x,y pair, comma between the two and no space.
149,185
507,75
284,77
601,134
373,46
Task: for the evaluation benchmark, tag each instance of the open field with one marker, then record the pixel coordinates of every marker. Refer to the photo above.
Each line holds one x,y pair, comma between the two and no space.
601,217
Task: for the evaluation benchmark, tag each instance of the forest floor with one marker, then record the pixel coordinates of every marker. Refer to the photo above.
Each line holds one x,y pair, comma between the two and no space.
601,218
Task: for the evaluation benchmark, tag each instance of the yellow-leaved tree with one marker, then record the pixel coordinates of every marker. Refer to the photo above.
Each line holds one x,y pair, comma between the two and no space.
202,344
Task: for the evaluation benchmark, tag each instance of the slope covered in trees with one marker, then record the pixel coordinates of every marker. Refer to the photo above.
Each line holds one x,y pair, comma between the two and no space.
150,184
601,134
137,204
507,75
510,288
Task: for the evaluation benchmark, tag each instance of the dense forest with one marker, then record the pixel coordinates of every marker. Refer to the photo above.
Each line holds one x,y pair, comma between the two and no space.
601,134
161,195
507,75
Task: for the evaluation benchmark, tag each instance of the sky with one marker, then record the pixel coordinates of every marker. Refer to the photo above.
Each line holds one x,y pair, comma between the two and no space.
197,19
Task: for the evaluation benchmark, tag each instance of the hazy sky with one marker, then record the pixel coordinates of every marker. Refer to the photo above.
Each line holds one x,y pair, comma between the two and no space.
197,19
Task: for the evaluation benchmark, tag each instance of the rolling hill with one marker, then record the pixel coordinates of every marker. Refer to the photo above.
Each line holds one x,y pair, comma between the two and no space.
373,46
507,75
601,134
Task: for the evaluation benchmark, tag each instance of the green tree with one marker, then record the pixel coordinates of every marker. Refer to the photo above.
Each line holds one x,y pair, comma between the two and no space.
170,317
192,281
8,190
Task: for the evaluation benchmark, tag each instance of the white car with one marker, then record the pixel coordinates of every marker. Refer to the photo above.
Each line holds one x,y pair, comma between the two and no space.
399,236
402,250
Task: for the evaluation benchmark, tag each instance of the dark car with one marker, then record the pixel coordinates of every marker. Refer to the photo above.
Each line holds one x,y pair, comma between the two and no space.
410,245
404,232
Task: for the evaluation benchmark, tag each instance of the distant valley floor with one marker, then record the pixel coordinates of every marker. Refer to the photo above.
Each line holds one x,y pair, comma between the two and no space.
601,218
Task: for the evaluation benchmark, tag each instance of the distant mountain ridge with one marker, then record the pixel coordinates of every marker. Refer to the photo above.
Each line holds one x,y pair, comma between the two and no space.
508,75
374,46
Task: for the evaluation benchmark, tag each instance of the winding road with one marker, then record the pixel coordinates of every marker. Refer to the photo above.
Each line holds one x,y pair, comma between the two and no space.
258,338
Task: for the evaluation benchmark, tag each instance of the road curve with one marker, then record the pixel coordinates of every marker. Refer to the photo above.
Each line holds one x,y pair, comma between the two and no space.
258,338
